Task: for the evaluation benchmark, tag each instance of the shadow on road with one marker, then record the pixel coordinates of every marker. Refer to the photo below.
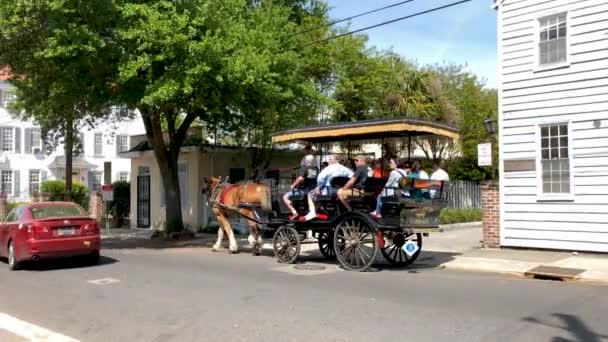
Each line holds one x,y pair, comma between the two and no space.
578,330
65,263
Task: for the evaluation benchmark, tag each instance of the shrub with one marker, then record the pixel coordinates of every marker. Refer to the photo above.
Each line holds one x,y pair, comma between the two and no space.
120,206
449,216
467,170
12,205
56,189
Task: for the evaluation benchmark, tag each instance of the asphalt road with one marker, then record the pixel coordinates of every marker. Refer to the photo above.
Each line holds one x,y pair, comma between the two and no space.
196,295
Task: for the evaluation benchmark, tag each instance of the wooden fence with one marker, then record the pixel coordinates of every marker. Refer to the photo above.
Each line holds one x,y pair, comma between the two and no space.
464,195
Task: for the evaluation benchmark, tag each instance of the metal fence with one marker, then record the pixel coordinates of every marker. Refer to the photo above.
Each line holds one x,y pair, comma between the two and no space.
464,195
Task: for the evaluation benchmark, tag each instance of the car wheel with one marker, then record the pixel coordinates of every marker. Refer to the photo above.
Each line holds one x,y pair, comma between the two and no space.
13,265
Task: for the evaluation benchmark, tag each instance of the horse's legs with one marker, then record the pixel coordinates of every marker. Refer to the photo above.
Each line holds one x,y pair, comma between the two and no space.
255,238
225,223
220,235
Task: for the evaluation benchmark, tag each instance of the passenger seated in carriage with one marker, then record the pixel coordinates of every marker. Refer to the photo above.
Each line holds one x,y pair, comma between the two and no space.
399,170
334,169
354,186
308,172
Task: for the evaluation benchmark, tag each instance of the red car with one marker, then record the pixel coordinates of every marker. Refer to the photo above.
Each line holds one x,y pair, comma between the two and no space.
48,230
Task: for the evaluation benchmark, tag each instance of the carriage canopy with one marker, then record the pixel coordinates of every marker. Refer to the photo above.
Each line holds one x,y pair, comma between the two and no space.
367,130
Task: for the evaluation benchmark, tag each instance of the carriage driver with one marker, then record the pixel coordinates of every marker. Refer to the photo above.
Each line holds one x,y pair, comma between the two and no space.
308,171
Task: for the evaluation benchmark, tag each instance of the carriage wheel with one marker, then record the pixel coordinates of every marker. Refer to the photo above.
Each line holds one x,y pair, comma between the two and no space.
286,244
355,244
326,244
393,252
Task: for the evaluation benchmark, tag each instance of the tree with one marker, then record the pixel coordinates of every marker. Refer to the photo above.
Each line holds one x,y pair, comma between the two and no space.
59,64
223,62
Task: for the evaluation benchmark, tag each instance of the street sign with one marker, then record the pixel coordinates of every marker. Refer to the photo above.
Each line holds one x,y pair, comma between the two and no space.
107,192
484,154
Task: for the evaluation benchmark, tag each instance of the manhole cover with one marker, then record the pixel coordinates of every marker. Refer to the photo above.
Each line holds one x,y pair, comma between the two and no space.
309,267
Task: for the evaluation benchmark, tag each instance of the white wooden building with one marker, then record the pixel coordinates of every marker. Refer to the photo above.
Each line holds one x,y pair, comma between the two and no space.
553,122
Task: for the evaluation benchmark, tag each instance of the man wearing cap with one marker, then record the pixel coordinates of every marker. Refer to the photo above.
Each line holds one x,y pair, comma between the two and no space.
354,187
307,171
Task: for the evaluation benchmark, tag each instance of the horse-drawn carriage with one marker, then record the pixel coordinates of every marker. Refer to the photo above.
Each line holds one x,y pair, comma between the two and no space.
353,237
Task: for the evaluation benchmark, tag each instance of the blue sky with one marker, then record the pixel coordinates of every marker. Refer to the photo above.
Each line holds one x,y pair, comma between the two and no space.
463,34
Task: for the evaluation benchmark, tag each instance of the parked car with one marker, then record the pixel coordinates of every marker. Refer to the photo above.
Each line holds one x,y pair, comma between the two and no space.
44,230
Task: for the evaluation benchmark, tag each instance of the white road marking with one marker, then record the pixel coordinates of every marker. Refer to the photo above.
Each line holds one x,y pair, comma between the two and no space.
30,331
104,281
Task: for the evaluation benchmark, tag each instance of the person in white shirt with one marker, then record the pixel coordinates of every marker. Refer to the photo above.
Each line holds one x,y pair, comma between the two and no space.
309,151
438,174
421,173
334,169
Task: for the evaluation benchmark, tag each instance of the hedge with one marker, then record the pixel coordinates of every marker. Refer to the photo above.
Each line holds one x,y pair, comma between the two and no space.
449,216
56,190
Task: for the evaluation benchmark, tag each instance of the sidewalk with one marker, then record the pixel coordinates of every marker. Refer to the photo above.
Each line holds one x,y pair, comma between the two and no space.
558,265
456,248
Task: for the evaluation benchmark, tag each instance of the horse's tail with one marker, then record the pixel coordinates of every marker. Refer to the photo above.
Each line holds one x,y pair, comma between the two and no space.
266,201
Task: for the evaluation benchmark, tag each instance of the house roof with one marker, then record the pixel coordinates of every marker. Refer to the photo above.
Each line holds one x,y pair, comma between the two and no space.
5,73
77,163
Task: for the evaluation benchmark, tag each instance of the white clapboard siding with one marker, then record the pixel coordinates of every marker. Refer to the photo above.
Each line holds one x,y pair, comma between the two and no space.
555,225
595,237
590,246
575,93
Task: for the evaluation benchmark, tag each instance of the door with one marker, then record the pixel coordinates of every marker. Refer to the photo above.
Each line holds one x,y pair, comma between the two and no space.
143,201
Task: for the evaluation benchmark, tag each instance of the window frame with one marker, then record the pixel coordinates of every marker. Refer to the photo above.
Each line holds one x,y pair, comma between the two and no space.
95,174
29,180
540,194
121,173
100,153
537,66
12,186
126,137
4,96
14,140
36,133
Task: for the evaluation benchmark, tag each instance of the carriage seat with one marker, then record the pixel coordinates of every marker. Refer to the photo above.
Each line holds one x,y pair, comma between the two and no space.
302,190
332,195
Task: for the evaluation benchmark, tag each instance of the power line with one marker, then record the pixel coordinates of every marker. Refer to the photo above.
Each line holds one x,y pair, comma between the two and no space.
386,23
349,18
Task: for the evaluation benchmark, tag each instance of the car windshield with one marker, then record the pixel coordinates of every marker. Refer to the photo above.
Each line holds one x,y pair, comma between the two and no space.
45,212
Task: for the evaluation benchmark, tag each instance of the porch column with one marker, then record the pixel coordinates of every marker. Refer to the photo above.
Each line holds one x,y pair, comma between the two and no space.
490,214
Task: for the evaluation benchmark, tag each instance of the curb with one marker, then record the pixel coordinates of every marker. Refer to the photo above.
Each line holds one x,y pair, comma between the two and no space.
458,226
515,268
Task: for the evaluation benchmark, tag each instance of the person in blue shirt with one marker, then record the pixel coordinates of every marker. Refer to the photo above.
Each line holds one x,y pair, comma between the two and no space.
334,169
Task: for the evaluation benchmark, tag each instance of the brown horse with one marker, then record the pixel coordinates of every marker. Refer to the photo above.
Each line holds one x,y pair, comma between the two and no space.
226,199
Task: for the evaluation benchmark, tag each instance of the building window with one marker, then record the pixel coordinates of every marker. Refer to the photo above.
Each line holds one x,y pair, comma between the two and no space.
555,161
7,142
553,41
34,181
122,143
7,98
98,144
6,182
123,176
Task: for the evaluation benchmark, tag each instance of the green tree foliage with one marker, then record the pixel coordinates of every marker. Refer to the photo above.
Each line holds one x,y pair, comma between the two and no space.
58,54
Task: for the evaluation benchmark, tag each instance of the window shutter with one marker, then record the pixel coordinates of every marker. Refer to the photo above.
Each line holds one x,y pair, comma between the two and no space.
28,140
17,183
91,178
82,144
17,140
43,176
1,138
117,144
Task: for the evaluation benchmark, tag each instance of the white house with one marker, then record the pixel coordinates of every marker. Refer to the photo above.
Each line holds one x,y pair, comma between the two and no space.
553,123
24,165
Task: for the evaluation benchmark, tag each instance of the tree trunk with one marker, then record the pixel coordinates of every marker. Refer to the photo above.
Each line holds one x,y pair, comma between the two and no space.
69,151
173,205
